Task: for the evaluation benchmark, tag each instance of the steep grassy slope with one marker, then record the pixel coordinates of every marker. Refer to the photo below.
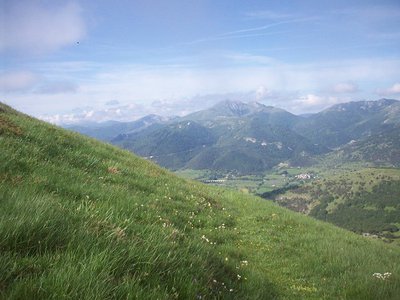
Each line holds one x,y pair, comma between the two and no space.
84,220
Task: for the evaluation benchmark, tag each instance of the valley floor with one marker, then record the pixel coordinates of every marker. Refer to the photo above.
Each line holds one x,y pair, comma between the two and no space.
370,195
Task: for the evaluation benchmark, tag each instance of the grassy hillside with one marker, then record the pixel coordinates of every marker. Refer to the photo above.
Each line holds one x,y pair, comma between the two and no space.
84,220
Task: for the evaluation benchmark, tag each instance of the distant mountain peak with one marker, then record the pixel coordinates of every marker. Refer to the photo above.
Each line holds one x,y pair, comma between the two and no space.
153,118
237,108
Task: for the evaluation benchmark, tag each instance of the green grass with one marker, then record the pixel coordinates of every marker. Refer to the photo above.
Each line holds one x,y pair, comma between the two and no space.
84,220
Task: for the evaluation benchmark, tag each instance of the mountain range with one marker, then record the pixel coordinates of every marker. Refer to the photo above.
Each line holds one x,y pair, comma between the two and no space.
106,131
252,137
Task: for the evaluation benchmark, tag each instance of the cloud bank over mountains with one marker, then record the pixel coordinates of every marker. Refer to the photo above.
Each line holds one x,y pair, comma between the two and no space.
127,59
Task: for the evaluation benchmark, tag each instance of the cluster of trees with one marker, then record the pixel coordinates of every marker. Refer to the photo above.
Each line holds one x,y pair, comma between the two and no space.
373,212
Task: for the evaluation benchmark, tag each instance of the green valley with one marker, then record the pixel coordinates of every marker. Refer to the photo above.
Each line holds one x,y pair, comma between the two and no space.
268,151
80,219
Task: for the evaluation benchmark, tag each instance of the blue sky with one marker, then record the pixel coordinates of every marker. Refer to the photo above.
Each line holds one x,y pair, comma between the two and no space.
66,61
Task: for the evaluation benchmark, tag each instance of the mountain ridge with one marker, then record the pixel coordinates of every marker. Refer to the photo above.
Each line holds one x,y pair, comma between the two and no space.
247,137
255,137
341,123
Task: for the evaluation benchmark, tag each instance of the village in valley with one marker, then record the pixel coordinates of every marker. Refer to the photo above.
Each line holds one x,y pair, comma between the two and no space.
268,181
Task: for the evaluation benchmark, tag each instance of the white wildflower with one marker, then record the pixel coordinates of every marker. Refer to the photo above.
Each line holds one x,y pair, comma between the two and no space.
383,276
203,237
244,262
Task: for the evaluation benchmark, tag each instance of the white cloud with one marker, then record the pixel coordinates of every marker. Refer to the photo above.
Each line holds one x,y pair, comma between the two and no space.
345,87
314,103
393,90
120,113
17,81
184,88
310,100
261,93
32,27
181,107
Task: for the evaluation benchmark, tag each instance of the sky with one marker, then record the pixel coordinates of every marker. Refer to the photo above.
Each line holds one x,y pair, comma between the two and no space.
71,61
